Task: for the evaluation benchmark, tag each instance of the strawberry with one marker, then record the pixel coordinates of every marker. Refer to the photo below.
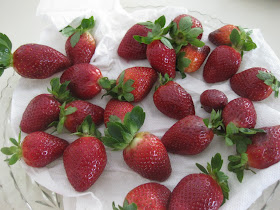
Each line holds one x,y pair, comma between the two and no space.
132,85
173,100
37,149
85,159
185,138
224,61
72,115
32,61
83,79
116,108
261,153
255,84
129,48
143,152
221,36
240,112
213,99
207,190
195,23
45,108
147,196
80,46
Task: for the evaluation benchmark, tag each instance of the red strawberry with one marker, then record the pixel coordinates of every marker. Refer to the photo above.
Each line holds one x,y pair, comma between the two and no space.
148,196
195,22
80,46
195,57
83,79
116,108
201,191
32,61
188,136
37,149
173,100
162,58
247,84
132,85
213,99
129,48
44,108
143,152
221,36
222,64
85,159
240,112
73,114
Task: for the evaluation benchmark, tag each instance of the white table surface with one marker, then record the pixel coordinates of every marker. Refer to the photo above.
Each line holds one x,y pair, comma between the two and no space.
19,22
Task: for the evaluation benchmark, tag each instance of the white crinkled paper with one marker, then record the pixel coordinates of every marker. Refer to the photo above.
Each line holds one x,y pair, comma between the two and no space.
118,179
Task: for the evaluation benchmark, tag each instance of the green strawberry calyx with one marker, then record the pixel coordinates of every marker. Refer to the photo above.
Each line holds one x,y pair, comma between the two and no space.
185,34
60,91
163,80
270,80
118,134
157,33
215,122
120,91
6,56
213,169
182,62
88,128
86,25
15,151
126,206
241,40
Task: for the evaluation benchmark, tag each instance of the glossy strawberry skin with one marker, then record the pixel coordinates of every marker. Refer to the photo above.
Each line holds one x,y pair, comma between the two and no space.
197,55
241,112
40,113
149,196
265,148
40,148
84,161
246,84
188,136
196,191
195,22
84,109
117,108
213,99
147,156
222,64
144,79
221,36
173,100
83,79
36,61
83,51
129,48
161,58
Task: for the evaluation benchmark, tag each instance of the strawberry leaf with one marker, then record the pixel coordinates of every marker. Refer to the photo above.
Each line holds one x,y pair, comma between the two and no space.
185,23
60,91
195,32
235,37
4,40
126,206
87,24
68,31
182,63
160,21
202,168
217,162
166,42
6,151
114,118
270,80
75,38
88,128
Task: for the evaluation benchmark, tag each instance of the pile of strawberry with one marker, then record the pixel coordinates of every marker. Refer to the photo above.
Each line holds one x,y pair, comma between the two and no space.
176,47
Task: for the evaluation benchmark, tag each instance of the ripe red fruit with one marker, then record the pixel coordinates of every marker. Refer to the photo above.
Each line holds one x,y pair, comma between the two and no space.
222,64
240,112
83,79
213,99
116,108
37,149
221,36
148,196
129,48
246,84
173,100
195,22
84,161
162,58
185,136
